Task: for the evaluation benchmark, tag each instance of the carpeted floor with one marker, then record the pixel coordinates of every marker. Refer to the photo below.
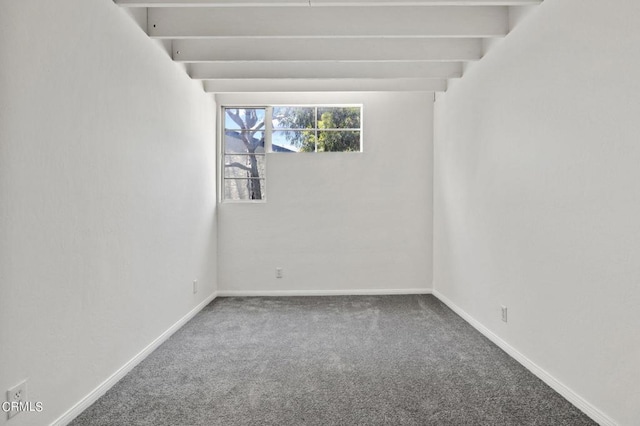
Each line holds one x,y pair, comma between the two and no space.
348,360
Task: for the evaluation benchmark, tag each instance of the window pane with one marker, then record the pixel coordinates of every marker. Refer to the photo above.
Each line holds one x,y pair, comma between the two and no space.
244,166
244,118
244,189
242,142
338,141
339,118
285,117
293,141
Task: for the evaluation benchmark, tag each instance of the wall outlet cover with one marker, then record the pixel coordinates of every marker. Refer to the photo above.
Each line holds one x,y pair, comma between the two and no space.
18,393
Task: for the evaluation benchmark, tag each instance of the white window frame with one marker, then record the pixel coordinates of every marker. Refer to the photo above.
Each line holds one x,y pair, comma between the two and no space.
268,132
316,129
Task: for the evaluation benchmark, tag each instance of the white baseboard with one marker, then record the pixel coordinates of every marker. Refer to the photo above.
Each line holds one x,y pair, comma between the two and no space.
571,396
93,396
351,292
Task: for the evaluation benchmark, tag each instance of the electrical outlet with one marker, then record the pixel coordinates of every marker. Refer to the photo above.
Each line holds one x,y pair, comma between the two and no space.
16,395
504,313
278,272
195,286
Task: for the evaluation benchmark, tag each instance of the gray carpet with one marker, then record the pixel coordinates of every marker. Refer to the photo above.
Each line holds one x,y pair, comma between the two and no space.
349,360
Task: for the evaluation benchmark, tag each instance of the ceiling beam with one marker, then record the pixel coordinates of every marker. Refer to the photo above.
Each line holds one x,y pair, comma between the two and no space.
321,49
211,3
315,70
307,3
423,2
324,85
328,22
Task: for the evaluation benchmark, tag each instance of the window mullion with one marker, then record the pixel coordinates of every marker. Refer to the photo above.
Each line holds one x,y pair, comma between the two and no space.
315,128
268,128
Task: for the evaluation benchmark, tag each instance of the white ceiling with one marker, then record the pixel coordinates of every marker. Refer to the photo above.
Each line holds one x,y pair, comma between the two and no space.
324,45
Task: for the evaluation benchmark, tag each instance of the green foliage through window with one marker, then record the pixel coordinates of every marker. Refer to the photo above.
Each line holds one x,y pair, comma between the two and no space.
316,129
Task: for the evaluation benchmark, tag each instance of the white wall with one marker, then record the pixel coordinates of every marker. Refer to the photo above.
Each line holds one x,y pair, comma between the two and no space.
338,222
537,197
107,197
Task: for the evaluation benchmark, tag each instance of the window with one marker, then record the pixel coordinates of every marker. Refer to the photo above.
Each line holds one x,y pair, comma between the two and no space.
315,129
244,153
250,132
